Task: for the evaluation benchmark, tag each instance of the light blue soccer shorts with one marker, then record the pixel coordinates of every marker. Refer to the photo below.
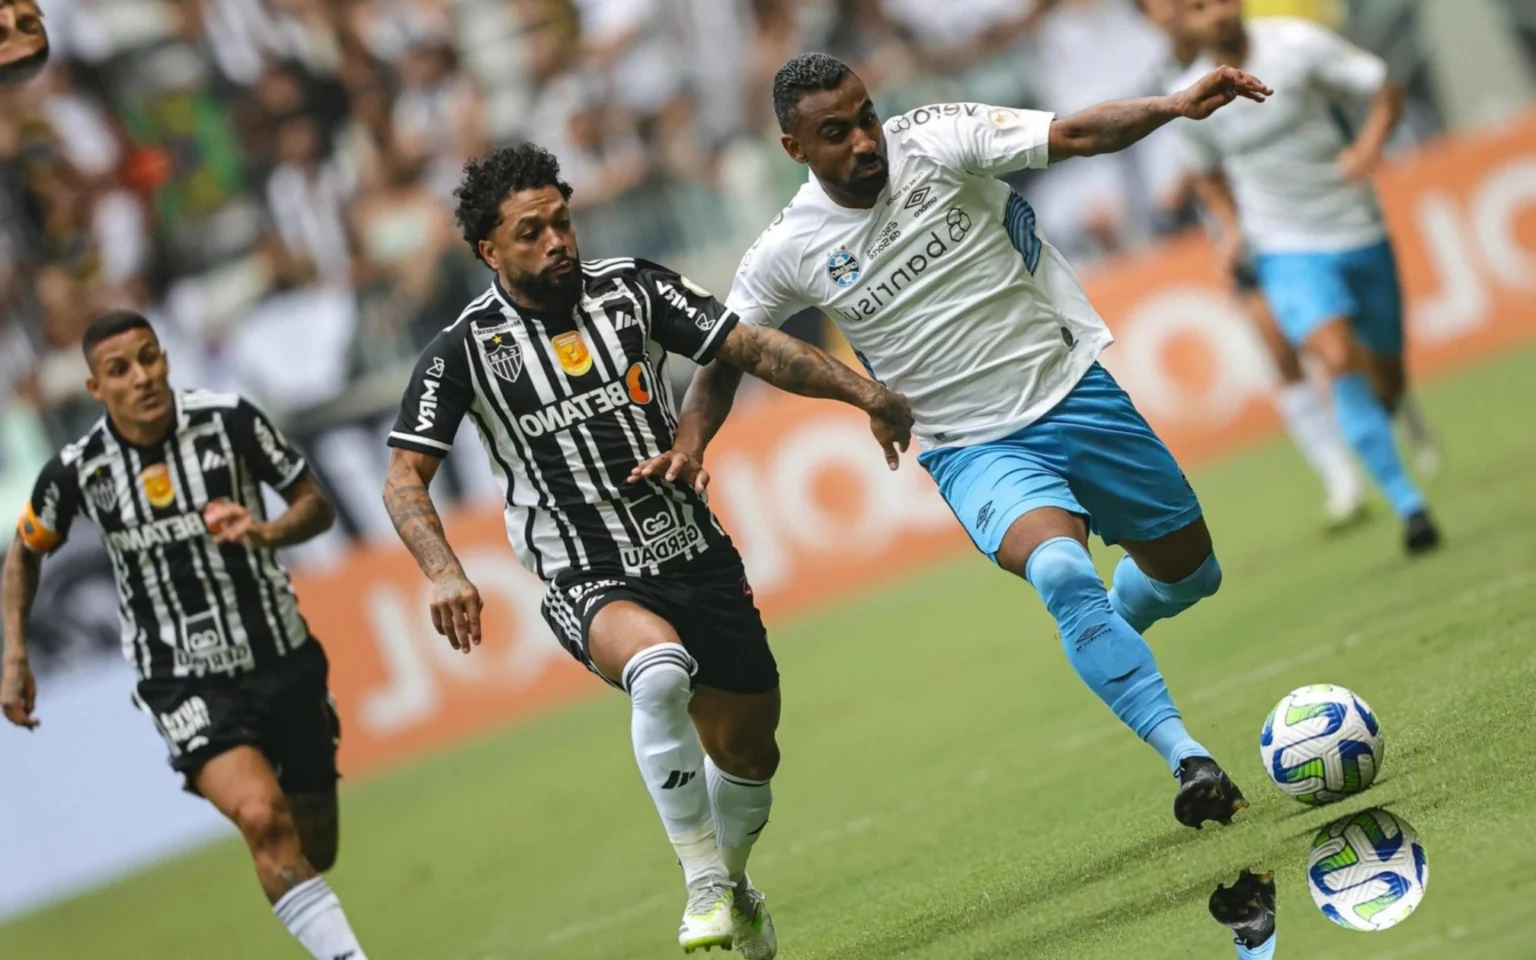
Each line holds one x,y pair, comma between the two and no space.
1092,454
1306,290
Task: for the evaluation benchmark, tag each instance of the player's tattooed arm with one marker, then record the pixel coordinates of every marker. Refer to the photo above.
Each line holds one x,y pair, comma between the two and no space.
795,366
1117,124
18,589
455,601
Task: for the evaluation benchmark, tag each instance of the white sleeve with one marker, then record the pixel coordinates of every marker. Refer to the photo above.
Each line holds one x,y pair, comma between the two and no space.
981,139
1200,152
1339,66
763,293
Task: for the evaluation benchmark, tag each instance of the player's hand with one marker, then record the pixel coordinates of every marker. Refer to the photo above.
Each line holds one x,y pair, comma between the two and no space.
1217,89
1359,162
18,693
674,466
456,609
229,522
891,423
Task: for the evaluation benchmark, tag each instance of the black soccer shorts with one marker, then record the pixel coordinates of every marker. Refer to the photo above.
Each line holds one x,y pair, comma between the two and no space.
709,603
283,709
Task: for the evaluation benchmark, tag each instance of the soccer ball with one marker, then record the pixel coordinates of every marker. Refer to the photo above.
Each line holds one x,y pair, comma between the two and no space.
1367,872
1321,743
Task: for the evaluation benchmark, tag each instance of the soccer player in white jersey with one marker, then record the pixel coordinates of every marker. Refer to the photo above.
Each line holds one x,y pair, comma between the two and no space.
934,271
1305,411
1292,181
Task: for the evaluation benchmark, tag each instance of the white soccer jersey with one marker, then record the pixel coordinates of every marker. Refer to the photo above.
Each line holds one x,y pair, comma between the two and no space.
944,287
1281,157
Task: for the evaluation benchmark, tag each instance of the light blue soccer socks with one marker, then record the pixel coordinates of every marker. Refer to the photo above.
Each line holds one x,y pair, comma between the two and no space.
1264,951
1107,653
1143,601
1368,428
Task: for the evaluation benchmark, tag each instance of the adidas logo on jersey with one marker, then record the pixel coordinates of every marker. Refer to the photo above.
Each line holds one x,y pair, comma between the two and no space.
626,320
212,460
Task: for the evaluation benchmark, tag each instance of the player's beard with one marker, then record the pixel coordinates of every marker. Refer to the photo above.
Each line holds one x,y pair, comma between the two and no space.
865,184
556,294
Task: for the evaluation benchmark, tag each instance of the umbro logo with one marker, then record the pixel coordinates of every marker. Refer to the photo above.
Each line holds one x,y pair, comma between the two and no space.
917,198
679,778
984,516
1091,634
212,460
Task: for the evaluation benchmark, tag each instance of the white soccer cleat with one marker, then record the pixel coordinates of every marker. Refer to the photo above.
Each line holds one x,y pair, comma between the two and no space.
755,938
1345,505
707,920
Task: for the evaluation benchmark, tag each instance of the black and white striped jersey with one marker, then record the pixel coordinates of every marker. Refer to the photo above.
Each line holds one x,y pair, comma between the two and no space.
566,406
189,606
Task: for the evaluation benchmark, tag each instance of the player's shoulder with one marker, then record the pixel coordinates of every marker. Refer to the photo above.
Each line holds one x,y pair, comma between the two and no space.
1287,31
488,309
782,244
204,401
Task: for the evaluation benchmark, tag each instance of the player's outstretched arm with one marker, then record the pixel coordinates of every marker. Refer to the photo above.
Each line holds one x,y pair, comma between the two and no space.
18,589
705,407
455,601
1115,125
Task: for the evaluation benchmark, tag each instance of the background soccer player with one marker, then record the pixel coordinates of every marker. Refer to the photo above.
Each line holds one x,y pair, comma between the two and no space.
555,366
23,41
227,669
1308,418
935,272
1294,182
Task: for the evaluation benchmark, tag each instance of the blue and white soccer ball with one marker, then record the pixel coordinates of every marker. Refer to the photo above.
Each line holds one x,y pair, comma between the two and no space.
1321,743
1368,871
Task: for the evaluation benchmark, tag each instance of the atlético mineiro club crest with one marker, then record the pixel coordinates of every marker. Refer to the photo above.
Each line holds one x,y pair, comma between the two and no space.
505,358
844,268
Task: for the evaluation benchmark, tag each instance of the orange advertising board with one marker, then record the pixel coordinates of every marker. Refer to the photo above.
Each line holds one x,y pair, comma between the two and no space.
803,490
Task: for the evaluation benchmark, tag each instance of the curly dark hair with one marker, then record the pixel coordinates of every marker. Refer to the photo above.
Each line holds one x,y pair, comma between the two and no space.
489,180
803,74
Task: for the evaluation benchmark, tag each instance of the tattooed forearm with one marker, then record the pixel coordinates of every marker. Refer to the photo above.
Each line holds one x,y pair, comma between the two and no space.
18,589
415,518
1109,127
797,367
705,407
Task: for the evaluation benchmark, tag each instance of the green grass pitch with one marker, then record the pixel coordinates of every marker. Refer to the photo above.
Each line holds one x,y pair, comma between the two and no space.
950,790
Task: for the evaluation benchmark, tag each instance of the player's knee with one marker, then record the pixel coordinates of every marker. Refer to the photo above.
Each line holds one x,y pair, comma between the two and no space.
1206,580
750,757
265,822
660,678
1062,573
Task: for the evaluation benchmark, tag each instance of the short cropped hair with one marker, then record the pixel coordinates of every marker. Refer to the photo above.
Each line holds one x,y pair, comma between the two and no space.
490,179
805,74
109,325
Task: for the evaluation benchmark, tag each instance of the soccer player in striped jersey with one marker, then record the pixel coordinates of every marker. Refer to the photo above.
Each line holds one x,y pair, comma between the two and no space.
228,671
561,367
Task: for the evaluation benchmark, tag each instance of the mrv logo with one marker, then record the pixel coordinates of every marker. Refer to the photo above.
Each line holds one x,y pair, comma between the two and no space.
882,288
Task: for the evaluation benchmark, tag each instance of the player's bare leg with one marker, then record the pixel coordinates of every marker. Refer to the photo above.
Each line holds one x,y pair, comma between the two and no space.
1309,421
241,784
1367,425
1389,377
316,816
1049,548
741,757
643,653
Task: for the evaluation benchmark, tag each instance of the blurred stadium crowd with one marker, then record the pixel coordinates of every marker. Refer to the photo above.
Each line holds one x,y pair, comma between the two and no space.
271,180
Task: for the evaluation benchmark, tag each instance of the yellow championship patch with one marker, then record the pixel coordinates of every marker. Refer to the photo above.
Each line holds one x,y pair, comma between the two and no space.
157,486
571,348
32,532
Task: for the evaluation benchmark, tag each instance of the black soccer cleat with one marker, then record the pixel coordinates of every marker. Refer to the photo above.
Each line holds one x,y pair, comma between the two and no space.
1420,534
1205,793
1247,908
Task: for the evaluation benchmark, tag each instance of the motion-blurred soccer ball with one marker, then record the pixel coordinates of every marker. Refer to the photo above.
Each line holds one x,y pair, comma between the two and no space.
1321,743
1368,871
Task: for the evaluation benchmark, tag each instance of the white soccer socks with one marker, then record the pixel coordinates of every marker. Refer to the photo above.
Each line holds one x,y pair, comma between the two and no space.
741,812
1314,430
313,914
671,760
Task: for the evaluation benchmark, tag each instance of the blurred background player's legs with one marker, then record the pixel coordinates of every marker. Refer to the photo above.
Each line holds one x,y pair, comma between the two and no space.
1314,302
1306,413
241,784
